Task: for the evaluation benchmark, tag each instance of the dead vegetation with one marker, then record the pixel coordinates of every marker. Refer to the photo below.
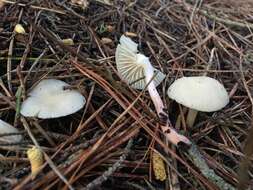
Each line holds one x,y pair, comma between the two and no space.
109,143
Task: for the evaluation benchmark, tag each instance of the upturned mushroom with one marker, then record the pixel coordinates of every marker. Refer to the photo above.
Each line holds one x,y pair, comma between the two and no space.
136,69
199,93
52,98
5,129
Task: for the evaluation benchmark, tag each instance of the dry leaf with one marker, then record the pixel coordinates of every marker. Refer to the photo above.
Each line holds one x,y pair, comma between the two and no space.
68,42
130,34
106,40
107,2
1,4
82,3
110,28
19,29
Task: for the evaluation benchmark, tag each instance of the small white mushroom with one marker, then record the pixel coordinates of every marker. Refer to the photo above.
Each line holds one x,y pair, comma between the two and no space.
199,93
136,69
6,128
51,99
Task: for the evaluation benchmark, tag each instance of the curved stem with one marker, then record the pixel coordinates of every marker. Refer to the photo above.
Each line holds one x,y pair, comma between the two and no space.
155,97
169,132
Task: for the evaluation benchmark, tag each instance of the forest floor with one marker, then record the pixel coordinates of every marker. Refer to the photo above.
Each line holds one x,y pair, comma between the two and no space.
110,142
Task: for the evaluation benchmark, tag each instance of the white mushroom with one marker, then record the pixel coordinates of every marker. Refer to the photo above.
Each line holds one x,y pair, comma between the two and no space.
6,128
134,66
199,93
51,99
136,69
128,44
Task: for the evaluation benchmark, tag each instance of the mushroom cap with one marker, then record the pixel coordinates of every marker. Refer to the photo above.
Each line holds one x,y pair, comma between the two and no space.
199,93
128,44
131,64
50,99
7,128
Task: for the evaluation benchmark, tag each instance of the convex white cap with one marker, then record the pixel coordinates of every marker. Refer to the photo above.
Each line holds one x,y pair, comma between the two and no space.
50,99
131,64
200,93
6,128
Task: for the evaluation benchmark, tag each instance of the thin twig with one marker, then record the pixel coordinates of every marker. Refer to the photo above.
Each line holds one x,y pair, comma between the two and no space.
34,7
48,159
200,162
98,181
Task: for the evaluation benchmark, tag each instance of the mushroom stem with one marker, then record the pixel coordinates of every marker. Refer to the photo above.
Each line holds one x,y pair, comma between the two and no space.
155,97
173,136
191,116
168,131
149,72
